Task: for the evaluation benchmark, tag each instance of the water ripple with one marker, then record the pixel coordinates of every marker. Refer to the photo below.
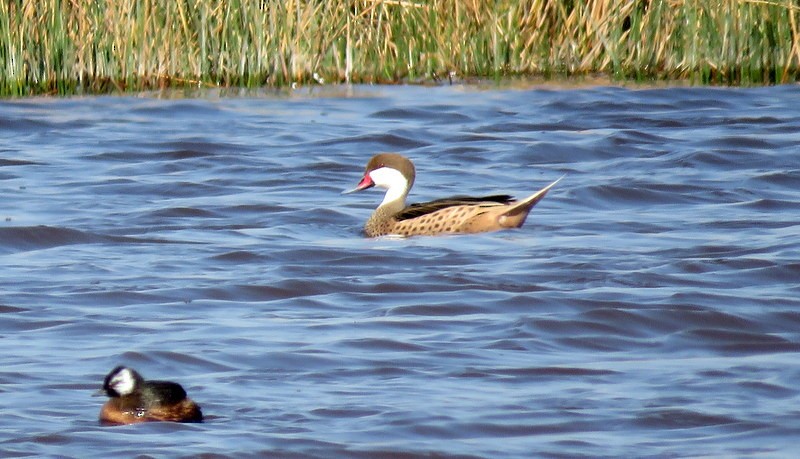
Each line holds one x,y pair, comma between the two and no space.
648,308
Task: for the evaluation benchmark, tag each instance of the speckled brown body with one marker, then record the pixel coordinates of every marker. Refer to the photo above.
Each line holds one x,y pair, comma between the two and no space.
444,216
471,218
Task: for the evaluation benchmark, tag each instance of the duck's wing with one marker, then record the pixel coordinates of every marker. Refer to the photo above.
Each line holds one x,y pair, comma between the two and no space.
424,208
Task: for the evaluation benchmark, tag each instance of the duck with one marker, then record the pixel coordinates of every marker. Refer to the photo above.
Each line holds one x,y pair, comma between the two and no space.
456,215
134,399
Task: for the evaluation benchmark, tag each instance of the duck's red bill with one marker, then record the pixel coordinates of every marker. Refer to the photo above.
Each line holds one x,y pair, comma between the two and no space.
365,183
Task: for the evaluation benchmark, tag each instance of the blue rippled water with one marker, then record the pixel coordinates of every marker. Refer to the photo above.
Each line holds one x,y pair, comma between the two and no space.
648,308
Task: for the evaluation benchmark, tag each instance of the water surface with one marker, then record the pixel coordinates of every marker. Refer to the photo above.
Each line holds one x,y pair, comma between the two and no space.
648,308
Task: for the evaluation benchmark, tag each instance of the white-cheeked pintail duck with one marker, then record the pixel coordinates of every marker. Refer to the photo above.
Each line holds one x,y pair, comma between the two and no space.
458,214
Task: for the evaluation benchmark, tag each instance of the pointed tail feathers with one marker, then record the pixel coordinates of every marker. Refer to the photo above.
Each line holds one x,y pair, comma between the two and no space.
515,216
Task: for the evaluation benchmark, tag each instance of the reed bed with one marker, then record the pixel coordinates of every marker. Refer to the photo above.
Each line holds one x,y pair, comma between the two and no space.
67,46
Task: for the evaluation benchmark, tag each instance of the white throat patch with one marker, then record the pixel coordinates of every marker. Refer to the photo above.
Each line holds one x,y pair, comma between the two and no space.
393,181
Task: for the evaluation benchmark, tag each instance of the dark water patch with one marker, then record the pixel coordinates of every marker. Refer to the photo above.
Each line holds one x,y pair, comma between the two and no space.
788,178
705,99
470,138
638,324
773,205
697,306
388,288
515,127
767,389
183,212
378,142
49,439
395,454
435,310
637,194
638,137
429,114
604,343
345,412
740,341
702,317
706,265
150,156
328,165
396,369
15,239
711,252
535,373
682,419
108,296
168,359
791,317
283,289
749,121
177,108
785,272
176,189
190,148
241,256
41,324
464,151
42,237
574,327
372,344
132,358
6,309
15,377
256,209
740,145
723,223
23,125
17,162
507,344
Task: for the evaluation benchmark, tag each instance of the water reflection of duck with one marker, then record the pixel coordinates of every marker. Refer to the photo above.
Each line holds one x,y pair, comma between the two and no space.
458,214
135,400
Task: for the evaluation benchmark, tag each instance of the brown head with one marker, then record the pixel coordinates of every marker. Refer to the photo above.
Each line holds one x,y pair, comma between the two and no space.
391,171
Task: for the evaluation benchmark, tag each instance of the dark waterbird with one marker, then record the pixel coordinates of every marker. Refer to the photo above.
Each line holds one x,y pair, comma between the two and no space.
134,400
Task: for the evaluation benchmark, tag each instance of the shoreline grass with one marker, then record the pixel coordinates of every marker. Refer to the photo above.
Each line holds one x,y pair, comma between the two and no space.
82,46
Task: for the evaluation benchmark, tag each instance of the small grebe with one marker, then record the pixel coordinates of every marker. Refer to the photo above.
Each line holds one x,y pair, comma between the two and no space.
135,400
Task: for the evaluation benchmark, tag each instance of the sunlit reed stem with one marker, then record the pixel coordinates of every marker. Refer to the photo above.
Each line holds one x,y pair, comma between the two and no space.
58,46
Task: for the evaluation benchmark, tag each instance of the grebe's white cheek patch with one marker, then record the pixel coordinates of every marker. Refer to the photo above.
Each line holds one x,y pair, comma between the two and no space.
123,382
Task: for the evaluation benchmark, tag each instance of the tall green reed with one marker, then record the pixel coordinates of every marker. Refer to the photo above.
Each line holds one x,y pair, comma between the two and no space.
63,46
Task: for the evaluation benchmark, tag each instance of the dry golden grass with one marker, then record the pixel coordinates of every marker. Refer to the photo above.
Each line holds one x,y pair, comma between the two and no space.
62,46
